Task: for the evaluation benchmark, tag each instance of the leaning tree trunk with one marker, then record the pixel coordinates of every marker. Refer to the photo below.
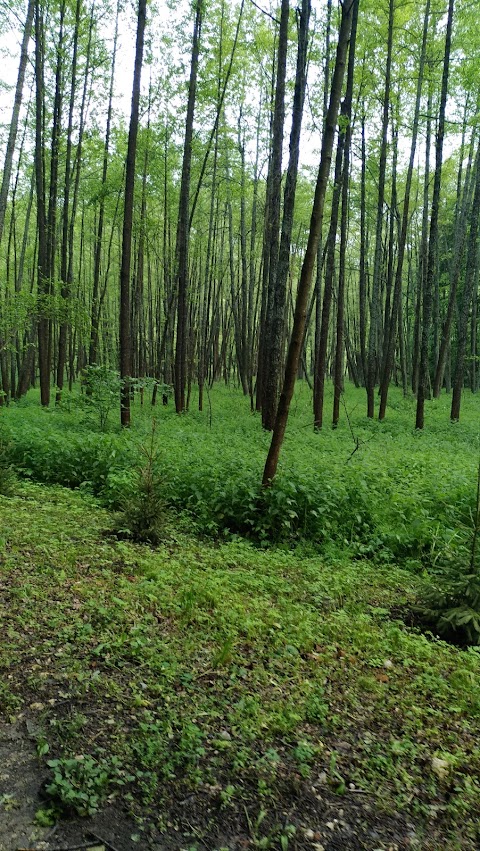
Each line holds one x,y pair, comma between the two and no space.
272,223
306,275
12,133
279,282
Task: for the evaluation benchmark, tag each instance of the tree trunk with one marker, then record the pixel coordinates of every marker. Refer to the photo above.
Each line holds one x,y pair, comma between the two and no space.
124,325
297,335
423,372
280,274
347,110
181,252
374,332
97,249
470,279
397,292
12,133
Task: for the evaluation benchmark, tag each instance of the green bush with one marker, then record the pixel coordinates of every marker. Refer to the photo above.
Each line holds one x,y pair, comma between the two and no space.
7,475
451,603
143,513
400,496
78,785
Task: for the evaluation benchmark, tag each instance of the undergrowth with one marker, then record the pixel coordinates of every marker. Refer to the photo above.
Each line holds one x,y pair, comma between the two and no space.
218,683
379,490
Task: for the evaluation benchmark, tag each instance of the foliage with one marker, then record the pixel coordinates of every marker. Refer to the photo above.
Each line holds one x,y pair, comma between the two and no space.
143,513
227,673
7,476
451,604
78,785
452,601
102,392
398,496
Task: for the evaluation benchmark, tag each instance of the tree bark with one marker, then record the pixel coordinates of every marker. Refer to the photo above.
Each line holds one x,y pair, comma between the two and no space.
124,325
470,279
423,372
279,281
181,252
12,133
397,292
374,331
296,339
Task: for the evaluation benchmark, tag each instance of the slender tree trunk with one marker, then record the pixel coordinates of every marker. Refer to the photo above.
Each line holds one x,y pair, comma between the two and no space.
43,284
397,293
124,325
97,251
278,290
423,372
339,346
423,259
320,254
62,343
272,223
470,279
12,133
322,354
181,252
362,296
306,275
457,265
374,332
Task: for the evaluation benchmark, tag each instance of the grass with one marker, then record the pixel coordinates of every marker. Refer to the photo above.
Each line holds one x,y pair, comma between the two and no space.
255,685
382,490
227,672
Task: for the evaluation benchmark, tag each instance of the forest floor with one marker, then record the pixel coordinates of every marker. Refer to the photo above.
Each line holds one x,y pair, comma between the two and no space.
205,695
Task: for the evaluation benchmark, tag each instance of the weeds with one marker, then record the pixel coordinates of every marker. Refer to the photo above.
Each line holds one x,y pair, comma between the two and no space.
143,515
223,676
451,602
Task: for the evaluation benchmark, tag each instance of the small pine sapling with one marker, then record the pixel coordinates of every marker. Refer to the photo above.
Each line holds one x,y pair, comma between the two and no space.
143,516
452,603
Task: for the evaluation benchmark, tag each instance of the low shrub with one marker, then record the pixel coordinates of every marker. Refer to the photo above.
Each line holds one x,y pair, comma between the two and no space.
451,603
398,496
143,513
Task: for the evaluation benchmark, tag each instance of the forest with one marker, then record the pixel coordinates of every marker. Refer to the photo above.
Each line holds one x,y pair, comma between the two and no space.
239,425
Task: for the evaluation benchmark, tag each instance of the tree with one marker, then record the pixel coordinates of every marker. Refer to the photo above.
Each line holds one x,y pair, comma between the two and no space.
297,335
393,324
423,372
181,251
125,328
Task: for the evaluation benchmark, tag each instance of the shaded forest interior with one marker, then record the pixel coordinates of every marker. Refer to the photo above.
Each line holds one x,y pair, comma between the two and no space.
196,240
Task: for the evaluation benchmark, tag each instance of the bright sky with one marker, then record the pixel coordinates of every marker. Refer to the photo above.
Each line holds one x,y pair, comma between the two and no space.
165,21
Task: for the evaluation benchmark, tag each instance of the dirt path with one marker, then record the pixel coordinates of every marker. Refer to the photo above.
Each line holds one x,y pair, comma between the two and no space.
21,778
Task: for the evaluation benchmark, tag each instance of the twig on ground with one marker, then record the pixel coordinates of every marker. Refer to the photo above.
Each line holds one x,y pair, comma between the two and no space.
108,845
